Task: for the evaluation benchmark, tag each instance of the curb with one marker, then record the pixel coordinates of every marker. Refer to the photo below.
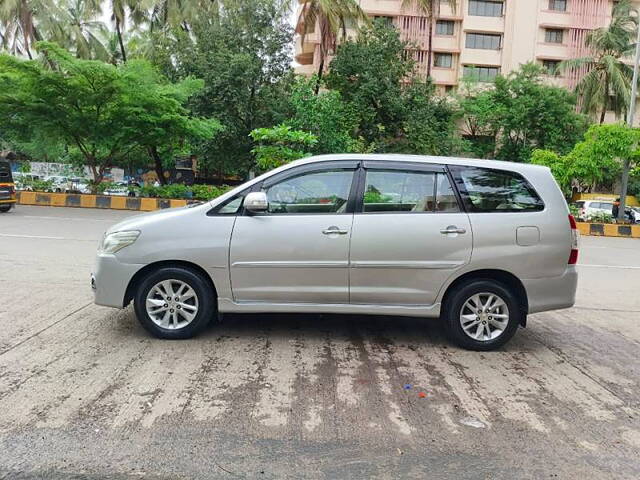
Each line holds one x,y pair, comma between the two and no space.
97,201
609,230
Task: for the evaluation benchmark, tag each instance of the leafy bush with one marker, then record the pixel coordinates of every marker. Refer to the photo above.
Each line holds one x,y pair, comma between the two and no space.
600,217
196,192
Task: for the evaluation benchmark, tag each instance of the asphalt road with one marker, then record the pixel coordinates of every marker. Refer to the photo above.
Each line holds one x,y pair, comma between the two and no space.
86,393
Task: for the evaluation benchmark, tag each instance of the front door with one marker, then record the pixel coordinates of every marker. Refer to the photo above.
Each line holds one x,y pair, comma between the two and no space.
298,251
409,235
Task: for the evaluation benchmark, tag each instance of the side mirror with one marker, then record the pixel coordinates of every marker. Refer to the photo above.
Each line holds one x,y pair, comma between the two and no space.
256,202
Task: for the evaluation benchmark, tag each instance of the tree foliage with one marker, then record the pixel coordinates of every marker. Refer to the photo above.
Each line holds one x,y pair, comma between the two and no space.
596,160
522,113
105,114
279,145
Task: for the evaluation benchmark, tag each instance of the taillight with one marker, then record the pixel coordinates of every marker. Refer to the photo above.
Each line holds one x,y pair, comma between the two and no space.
573,256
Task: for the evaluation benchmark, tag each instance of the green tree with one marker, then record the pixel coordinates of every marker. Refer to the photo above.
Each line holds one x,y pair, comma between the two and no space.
430,9
18,23
102,112
244,59
135,10
327,116
597,160
77,29
607,83
279,145
522,113
396,110
331,17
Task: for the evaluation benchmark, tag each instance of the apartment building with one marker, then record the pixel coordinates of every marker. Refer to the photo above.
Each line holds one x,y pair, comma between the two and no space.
482,38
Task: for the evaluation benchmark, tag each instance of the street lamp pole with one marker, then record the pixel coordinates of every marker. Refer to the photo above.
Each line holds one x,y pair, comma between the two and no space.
630,116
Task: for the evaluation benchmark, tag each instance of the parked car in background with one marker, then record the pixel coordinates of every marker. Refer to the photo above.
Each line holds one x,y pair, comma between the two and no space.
589,208
78,185
634,214
122,188
58,183
24,181
478,243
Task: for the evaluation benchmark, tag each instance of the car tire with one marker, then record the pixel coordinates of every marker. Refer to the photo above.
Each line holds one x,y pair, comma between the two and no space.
5,208
471,325
170,320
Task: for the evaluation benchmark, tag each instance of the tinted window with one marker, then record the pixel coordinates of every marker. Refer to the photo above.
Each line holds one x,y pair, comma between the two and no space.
399,191
558,5
553,35
484,41
606,206
480,74
488,190
444,27
485,8
443,60
232,206
313,192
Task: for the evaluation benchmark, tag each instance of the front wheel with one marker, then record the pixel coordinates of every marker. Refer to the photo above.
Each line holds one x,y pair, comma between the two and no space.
482,315
174,303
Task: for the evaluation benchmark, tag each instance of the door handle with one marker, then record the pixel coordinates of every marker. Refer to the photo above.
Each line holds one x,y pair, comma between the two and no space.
452,229
333,230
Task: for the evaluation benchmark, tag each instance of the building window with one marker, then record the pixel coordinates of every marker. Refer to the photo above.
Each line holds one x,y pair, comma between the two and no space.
443,60
551,66
485,8
553,35
558,5
444,27
480,74
384,19
484,41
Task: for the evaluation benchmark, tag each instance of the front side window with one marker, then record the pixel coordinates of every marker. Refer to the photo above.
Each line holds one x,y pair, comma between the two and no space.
444,27
483,41
485,8
553,35
488,190
443,60
558,5
323,192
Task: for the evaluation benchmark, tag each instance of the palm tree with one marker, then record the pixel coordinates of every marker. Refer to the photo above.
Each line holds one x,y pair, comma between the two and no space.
331,16
181,13
136,10
18,24
75,27
429,8
607,83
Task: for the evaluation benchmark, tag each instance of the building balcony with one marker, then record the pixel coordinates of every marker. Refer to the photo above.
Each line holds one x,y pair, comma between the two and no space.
472,56
483,24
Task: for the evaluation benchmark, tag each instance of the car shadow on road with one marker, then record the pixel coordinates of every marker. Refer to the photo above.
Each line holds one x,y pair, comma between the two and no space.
379,329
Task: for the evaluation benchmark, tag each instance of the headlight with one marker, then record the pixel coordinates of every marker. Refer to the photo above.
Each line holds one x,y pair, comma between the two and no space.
113,242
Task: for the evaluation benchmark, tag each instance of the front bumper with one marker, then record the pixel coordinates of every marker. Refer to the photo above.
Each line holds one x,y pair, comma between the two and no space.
110,279
552,293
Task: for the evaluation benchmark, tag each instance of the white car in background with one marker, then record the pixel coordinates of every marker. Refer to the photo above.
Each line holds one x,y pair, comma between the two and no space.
58,183
589,208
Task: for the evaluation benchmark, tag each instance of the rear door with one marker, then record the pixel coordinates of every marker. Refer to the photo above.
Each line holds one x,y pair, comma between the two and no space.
409,234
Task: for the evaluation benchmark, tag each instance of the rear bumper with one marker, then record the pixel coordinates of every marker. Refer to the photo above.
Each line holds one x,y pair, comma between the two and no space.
552,293
110,279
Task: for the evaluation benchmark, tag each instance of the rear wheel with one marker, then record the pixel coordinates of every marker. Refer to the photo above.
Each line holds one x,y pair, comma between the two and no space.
482,314
5,208
174,303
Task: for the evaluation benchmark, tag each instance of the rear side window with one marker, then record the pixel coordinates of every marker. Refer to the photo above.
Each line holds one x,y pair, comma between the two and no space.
489,190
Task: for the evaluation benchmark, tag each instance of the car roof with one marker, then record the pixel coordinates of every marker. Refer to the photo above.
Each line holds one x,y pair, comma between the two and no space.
399,157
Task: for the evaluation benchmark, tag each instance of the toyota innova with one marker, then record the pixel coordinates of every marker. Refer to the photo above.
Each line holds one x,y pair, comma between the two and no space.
478,243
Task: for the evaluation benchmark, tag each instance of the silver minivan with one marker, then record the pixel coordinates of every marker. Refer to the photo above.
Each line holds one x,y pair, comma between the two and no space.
478,243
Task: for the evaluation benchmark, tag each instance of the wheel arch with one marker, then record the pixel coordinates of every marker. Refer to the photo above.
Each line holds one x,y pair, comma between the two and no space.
147,269
506,278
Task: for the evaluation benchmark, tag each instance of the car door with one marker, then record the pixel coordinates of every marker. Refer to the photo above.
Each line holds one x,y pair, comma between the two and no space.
409,234
298,250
